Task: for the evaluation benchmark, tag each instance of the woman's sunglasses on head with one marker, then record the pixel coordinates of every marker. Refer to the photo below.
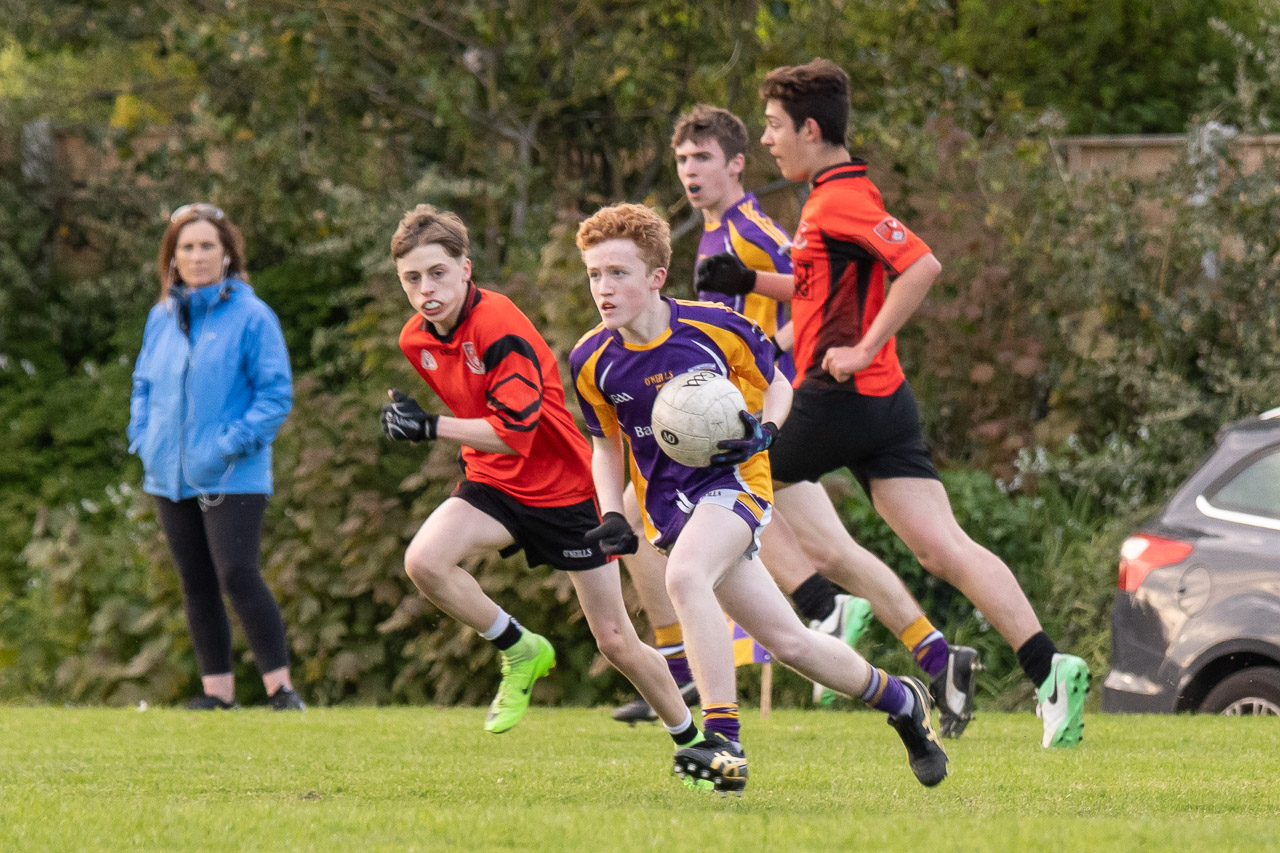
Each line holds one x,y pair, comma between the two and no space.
199,208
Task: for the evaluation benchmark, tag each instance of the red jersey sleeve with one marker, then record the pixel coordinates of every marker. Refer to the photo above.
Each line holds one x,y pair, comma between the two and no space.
872,228
513,385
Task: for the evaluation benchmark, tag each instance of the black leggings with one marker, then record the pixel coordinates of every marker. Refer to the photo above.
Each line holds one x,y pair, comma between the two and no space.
217,550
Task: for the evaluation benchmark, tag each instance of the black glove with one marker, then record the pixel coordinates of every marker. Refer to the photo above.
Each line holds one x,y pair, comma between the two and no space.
759,437
404,420
614,536
724,273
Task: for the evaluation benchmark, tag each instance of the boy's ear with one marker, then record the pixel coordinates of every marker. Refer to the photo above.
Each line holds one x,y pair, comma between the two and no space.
659,278
737,164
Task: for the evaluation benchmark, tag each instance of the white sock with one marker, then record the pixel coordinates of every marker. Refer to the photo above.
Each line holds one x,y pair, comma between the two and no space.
688,718
499,625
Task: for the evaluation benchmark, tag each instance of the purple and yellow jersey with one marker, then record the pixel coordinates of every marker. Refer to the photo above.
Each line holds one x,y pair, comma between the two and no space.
617,383
761,244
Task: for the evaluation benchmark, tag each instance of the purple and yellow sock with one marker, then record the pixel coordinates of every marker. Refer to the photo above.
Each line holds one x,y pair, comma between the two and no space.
886,693
927,645
670,642
721,718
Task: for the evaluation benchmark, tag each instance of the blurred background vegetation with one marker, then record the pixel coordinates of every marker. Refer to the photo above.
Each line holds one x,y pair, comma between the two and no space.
1088,336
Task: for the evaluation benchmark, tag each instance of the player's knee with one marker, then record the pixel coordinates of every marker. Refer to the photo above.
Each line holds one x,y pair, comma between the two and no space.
683,585
789,647
421,569
946,557
614,644
823,555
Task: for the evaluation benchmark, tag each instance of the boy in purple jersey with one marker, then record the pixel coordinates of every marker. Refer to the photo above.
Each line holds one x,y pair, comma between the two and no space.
707,519
742,247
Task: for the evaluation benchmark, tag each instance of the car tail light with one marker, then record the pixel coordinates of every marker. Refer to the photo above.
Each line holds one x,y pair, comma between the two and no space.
1142,553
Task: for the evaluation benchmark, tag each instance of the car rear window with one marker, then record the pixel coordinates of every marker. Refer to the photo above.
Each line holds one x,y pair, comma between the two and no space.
1255,490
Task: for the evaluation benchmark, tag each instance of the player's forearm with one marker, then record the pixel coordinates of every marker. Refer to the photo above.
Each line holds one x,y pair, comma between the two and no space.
475,433
608,472
904,297
775,285
777,399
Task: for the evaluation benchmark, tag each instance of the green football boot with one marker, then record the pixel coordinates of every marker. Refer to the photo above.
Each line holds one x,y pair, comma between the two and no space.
1061,701
524,663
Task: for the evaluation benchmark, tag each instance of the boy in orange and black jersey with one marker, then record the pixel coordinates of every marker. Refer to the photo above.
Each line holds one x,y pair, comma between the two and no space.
853,407
528,482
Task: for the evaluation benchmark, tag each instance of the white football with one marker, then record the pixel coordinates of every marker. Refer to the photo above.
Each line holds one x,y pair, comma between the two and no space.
694,412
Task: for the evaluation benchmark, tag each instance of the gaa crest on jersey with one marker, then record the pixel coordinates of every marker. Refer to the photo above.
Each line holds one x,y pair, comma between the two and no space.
474,364
428,361
891,230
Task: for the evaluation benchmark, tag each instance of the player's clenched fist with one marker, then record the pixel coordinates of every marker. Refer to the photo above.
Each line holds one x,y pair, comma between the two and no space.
724,273
614,536
843,362
404,420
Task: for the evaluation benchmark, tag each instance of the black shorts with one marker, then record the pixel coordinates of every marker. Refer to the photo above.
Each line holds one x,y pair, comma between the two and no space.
550,535
830,427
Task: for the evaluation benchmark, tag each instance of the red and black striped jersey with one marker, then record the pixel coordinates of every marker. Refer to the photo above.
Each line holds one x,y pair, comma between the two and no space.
840,253
494,365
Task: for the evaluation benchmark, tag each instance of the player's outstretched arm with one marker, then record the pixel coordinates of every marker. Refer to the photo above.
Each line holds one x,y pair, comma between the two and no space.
473,432
403,419
775,285
725,273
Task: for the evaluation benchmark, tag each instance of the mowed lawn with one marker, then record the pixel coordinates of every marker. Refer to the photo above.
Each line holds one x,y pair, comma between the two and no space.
573,779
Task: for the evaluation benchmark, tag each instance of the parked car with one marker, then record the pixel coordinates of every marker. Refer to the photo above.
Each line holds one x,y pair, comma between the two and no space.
1196,620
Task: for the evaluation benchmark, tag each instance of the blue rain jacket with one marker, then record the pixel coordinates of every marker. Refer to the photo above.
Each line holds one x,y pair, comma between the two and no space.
206,405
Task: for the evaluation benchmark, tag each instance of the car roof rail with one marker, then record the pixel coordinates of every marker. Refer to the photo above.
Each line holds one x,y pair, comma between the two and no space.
1269,419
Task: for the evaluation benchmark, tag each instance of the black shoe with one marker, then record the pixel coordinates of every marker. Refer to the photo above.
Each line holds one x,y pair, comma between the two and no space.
635,711
924,751
952,691
205,702
715,759
285,699
638,710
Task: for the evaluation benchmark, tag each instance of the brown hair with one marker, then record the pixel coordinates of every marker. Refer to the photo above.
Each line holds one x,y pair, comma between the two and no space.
819,90
707,122
425,225
229,235
633,222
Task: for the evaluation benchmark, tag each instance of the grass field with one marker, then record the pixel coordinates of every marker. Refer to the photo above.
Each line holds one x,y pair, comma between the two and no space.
572,779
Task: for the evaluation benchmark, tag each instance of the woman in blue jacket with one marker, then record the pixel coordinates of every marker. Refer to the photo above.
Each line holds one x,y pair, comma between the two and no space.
211,388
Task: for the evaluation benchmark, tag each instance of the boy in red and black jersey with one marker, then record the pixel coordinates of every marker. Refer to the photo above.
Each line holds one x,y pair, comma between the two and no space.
528,482
853,408
494,366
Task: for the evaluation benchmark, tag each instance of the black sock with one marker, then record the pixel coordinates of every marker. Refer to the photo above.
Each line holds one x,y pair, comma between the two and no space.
509,637
1036,658
686,735
815,598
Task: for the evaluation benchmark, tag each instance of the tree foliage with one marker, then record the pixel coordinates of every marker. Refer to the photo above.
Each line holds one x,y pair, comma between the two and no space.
1072,326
